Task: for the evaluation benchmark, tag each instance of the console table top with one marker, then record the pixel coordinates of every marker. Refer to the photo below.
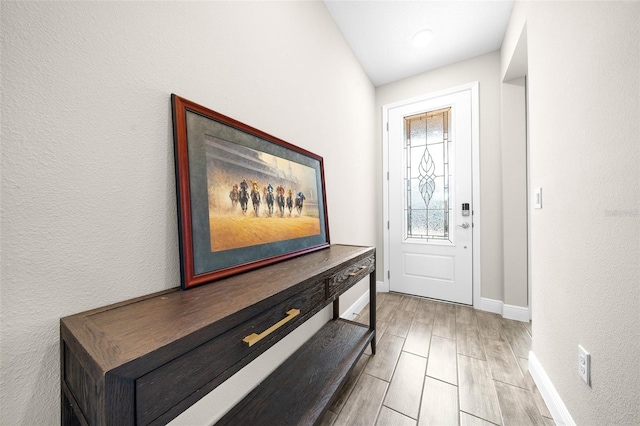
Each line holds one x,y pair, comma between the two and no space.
116,334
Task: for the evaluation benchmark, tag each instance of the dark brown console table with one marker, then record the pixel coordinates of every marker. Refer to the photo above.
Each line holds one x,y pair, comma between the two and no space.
146,360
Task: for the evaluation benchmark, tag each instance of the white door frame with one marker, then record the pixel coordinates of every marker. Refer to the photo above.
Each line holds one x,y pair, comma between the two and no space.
475,164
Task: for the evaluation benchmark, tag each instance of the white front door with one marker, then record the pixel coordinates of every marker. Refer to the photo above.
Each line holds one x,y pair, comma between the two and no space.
430,198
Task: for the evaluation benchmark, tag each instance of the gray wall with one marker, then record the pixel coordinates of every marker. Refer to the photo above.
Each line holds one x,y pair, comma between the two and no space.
584,104
88,199
88,191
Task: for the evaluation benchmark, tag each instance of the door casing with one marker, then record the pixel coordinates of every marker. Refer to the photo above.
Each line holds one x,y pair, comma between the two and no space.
475,164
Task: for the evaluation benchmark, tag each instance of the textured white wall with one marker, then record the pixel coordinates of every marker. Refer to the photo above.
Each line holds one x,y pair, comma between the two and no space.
88,197
486,70
583,61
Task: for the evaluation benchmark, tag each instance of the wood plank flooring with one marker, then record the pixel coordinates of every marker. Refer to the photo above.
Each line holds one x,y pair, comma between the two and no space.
441,364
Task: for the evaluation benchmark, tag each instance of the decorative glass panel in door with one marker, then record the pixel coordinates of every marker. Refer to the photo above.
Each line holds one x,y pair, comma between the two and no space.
427,176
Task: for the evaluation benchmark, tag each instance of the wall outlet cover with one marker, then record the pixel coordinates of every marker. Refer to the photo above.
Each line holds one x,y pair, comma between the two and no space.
584,365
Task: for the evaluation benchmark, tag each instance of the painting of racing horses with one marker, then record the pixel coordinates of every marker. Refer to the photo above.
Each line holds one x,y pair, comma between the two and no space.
233,228
222,164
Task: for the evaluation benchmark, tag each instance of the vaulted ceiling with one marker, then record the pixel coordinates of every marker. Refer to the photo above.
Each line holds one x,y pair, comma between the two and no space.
380,33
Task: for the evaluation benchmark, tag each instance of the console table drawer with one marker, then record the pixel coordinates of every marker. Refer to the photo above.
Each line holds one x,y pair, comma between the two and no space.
348,276
169,384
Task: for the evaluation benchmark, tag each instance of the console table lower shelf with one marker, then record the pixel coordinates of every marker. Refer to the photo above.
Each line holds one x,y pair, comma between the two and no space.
305,385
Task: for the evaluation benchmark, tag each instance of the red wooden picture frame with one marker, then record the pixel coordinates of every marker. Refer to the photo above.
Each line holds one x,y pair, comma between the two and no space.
222,231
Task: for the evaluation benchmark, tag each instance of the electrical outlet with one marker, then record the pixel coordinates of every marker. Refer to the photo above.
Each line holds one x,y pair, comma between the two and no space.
584,365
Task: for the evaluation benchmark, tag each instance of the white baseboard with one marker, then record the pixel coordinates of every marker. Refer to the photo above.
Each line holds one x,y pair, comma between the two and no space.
359,304
518,313
551,397
382,287
490,305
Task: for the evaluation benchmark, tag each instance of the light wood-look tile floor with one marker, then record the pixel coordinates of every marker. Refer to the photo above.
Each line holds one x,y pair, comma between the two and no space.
441,364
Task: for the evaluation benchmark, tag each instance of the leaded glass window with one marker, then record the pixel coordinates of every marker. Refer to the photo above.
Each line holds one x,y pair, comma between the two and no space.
427,175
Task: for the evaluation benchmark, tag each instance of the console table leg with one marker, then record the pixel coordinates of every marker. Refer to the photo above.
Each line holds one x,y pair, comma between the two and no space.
372,309
336,308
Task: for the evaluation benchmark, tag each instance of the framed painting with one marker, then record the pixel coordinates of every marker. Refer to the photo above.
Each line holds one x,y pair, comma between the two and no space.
246,199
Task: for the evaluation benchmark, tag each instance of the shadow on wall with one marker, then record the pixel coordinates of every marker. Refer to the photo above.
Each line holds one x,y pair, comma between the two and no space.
48,371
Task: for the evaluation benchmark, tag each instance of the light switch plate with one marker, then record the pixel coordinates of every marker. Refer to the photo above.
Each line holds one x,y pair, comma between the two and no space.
537,198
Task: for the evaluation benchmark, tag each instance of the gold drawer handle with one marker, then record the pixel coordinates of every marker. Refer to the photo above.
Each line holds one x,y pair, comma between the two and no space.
254,338
362,268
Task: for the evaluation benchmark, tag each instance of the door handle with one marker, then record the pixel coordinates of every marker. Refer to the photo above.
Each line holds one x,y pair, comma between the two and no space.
464,225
